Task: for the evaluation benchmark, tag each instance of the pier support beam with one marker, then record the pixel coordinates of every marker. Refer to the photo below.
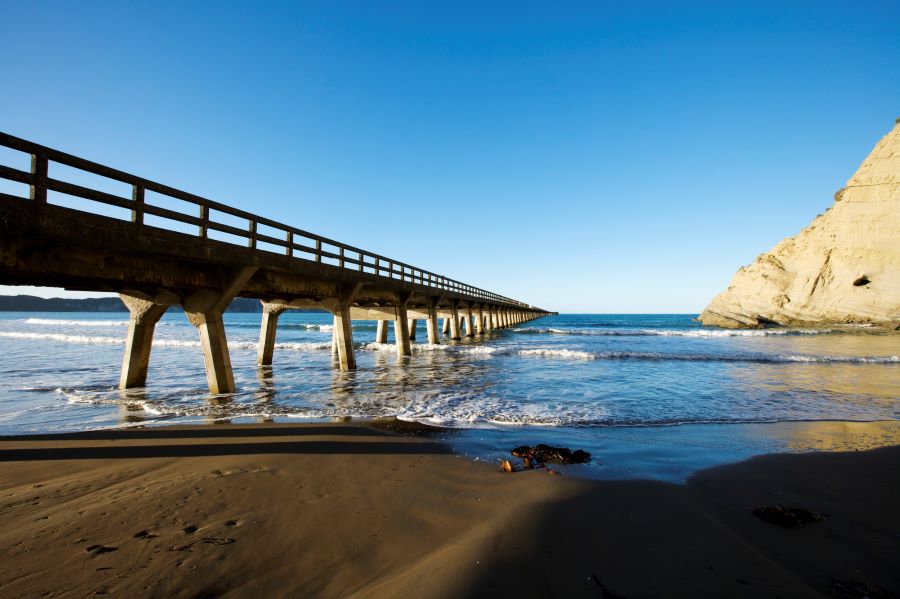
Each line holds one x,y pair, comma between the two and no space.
381,331
470,322
204,310
489,319
413,323
401,327
445,328
270,313
145,313
432,323
479,328
343,327
454,322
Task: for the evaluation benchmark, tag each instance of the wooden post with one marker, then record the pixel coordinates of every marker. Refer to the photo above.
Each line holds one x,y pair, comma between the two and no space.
39,169
137,197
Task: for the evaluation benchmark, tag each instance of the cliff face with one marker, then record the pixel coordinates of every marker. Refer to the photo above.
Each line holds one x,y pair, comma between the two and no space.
842,268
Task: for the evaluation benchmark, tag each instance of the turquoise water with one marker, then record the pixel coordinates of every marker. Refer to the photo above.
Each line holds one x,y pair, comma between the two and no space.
649,395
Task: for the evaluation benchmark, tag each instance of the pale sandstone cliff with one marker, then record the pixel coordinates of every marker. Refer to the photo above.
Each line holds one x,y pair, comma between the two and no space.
843,268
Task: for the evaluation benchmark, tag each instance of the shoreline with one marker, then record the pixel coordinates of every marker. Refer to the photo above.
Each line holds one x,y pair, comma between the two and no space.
669,453
345,509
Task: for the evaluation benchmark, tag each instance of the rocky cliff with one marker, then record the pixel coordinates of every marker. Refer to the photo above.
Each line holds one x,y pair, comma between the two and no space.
842,268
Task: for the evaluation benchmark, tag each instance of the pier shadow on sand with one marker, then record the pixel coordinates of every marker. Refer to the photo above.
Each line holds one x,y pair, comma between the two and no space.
201,442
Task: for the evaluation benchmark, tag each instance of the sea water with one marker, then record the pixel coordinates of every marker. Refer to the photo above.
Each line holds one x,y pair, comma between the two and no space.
656,396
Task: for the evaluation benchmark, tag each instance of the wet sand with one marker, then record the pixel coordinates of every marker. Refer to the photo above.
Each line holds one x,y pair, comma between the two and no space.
339,510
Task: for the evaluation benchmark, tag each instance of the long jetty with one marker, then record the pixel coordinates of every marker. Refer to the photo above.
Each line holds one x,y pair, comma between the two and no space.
155,256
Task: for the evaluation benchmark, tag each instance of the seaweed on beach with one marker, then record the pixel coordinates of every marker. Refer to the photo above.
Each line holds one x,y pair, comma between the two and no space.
788,517
542,454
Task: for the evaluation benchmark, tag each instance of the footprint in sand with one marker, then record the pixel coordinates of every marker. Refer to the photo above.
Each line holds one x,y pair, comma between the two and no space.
95,550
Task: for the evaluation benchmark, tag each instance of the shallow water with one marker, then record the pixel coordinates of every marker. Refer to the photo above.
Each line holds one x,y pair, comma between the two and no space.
650,395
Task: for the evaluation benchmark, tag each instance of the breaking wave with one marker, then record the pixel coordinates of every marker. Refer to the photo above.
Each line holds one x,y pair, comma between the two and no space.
677,333
692,357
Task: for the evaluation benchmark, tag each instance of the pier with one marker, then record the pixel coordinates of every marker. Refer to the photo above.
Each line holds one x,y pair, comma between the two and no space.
204,254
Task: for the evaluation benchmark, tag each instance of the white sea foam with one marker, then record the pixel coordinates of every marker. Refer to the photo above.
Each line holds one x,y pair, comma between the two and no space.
434,347
79,323
476,409
302,346
692,357
61,337
677,332
557,353
93,339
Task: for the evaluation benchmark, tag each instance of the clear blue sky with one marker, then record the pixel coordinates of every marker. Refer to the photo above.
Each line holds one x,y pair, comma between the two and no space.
596,156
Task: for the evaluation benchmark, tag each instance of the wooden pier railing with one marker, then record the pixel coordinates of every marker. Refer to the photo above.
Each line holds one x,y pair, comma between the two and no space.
259,233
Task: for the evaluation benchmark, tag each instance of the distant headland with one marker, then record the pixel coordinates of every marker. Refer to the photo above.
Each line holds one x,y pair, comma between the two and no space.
844,268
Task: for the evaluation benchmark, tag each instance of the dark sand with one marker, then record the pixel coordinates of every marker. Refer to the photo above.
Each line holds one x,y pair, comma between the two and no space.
346,510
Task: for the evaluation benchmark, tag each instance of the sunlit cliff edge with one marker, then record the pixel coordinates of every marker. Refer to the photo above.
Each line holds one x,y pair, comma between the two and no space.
842,268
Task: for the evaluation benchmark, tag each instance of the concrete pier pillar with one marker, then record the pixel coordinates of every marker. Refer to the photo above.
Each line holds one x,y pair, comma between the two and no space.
432,324
401,334
401,328
445,328
270,313
343,326
479,328
470,322
454,323
145,313
343,340
413,323
334,350
381,331
204,310
489,319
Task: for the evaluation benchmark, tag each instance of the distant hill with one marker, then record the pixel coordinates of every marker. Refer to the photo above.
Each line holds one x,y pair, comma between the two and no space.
31,303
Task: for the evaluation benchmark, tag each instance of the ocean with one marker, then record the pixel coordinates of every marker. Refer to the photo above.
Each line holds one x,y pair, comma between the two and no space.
650,396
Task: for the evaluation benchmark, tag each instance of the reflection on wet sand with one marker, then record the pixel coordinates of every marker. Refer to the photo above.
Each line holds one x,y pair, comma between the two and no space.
836,436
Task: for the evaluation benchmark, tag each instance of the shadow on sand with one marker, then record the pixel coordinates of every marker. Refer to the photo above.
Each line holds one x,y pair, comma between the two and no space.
121,444
617,539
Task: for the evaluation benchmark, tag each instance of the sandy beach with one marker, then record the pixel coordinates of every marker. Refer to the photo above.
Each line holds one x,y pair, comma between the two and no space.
339,510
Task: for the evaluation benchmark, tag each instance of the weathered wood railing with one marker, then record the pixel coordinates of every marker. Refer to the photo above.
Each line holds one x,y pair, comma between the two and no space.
294,242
